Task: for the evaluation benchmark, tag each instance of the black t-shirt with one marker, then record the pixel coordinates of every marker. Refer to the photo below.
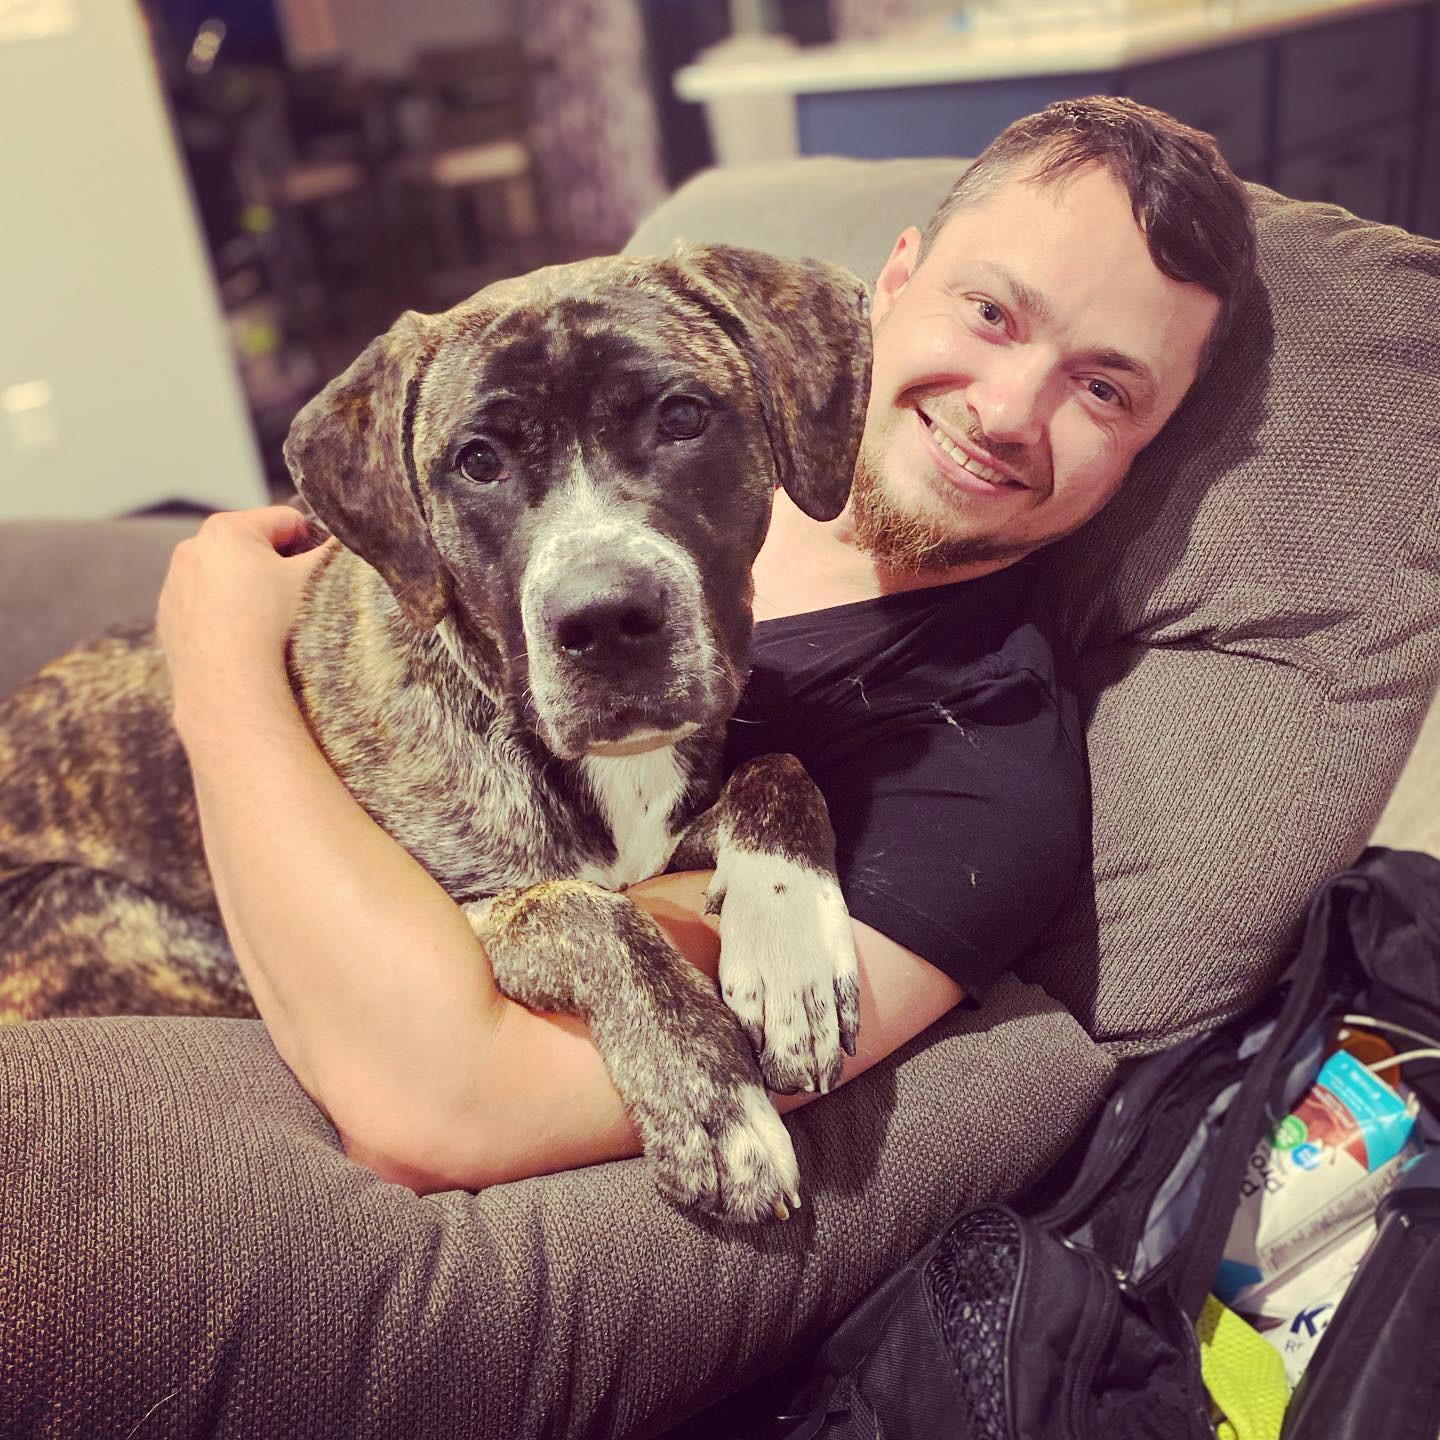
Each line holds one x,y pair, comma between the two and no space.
951,757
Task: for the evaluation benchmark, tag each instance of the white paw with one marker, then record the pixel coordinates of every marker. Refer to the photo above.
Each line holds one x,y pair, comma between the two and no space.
757,1159
731,1157
787,966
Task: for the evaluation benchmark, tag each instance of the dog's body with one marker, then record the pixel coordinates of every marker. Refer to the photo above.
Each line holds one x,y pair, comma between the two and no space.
521,665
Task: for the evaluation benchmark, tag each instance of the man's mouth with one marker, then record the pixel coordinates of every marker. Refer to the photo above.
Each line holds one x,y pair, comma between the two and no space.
953,450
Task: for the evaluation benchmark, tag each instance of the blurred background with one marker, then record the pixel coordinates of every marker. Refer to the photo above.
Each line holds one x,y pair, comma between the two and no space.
210,206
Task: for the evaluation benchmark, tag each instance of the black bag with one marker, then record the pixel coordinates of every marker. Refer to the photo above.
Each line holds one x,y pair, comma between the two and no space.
1076,1318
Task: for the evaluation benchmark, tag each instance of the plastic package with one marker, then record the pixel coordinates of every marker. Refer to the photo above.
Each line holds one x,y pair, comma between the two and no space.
1318,1175
1293,1312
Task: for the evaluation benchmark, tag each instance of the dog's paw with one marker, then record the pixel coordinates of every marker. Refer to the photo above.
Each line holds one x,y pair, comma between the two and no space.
787,967
726,1153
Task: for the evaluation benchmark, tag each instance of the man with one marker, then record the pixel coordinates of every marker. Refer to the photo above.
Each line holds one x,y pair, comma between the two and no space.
1027,346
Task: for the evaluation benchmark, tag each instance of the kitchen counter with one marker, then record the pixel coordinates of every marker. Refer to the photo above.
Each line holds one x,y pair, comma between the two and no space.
1335,100
934,53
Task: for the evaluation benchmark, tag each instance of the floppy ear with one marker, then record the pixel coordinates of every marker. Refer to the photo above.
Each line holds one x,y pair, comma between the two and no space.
349,452
803,328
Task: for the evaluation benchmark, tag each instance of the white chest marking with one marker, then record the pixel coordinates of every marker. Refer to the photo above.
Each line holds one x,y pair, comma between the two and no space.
636,794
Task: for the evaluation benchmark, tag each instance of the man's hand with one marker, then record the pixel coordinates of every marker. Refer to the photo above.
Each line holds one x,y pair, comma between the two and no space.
229,601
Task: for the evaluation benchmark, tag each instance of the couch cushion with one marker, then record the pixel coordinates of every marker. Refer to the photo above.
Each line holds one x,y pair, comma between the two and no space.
180,1233
65,581
1258,622
848,211
1254,618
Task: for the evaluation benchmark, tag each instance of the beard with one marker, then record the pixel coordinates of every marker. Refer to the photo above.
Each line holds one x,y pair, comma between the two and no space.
912,542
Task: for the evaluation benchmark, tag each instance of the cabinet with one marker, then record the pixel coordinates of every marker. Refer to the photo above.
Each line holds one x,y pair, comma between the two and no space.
1370,174
1341,78
1222,93
1427,209
1345,110
929,119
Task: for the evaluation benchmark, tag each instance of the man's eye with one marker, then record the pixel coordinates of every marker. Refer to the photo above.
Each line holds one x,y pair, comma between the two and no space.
682,417
990,312
1104,390
480,461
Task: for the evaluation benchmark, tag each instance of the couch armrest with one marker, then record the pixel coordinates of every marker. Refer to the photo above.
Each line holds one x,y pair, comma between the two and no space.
62,582
181,1233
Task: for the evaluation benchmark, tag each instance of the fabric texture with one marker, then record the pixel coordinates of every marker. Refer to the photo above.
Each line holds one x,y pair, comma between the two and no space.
1255,620
936,726
1258,623
181,1237
62,582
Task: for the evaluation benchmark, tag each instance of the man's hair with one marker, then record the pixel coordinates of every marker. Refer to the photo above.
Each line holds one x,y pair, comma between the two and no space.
1192,209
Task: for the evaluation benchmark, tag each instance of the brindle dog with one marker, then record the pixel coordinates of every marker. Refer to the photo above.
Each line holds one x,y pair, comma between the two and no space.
521,663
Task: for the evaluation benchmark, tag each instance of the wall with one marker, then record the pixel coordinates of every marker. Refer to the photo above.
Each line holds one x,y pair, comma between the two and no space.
117,389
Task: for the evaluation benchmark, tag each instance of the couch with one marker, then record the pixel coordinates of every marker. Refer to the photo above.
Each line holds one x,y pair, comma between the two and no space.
1253,623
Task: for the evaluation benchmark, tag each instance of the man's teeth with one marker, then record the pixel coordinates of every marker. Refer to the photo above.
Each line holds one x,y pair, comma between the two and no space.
964,461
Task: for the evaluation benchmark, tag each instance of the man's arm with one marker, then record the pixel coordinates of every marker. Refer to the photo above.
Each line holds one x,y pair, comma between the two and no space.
381,1000
374,989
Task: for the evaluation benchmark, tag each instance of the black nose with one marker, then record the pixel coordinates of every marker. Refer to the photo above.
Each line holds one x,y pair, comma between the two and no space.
604,623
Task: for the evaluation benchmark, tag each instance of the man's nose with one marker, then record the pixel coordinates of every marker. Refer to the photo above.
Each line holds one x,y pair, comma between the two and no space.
1010,401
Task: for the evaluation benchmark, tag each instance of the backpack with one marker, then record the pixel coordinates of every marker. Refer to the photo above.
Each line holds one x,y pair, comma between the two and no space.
1073,1315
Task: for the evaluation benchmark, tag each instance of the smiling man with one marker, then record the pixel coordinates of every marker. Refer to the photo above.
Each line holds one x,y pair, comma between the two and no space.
1028,346
1035,338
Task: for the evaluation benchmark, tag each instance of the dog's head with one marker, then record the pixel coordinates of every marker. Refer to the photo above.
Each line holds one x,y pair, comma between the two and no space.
570,474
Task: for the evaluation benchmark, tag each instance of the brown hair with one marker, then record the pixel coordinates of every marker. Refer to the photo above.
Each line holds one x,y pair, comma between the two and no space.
1193,210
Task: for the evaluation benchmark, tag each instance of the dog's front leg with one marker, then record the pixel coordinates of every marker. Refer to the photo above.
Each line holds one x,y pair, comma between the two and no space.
674,1052
787,949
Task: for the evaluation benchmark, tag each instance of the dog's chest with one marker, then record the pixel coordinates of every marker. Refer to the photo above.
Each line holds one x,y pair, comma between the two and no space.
484,813
636,795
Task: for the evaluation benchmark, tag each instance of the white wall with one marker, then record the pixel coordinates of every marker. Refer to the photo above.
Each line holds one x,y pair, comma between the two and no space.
117,389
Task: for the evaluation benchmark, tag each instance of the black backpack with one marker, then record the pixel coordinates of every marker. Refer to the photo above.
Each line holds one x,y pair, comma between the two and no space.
1073,1315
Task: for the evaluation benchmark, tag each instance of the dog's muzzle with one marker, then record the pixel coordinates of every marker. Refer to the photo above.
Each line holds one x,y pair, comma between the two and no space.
620,656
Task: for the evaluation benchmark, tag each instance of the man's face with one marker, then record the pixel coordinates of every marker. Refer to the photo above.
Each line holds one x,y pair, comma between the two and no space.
1018,372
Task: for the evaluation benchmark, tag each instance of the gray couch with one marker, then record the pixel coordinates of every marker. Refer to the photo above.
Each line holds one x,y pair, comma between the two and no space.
184,1248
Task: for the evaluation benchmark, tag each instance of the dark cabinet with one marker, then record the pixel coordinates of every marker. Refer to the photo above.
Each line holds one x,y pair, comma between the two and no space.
1342,78
1221,93
1344,110
1427,207
1370,174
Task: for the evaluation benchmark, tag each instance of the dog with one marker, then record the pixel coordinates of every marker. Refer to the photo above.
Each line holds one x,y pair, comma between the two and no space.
521,659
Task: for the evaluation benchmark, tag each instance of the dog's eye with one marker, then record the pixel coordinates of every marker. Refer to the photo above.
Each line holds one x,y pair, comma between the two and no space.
479,461
682,418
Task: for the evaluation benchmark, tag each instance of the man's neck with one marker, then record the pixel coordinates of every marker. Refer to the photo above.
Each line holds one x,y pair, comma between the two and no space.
807,565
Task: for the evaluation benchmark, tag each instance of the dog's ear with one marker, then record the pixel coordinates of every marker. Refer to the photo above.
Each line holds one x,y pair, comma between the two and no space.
803,328
349,452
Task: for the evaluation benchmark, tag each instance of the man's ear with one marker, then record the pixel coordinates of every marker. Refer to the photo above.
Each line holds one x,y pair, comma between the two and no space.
349,452
896,272
803,329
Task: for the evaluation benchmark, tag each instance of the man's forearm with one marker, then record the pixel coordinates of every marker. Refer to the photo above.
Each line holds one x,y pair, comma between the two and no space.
373,987
367,974
381,999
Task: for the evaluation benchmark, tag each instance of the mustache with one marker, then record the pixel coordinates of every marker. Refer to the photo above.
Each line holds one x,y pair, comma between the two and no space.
1021,458
1010,451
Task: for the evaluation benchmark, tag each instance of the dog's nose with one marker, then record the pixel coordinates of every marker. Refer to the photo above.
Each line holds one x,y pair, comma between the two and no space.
607,625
